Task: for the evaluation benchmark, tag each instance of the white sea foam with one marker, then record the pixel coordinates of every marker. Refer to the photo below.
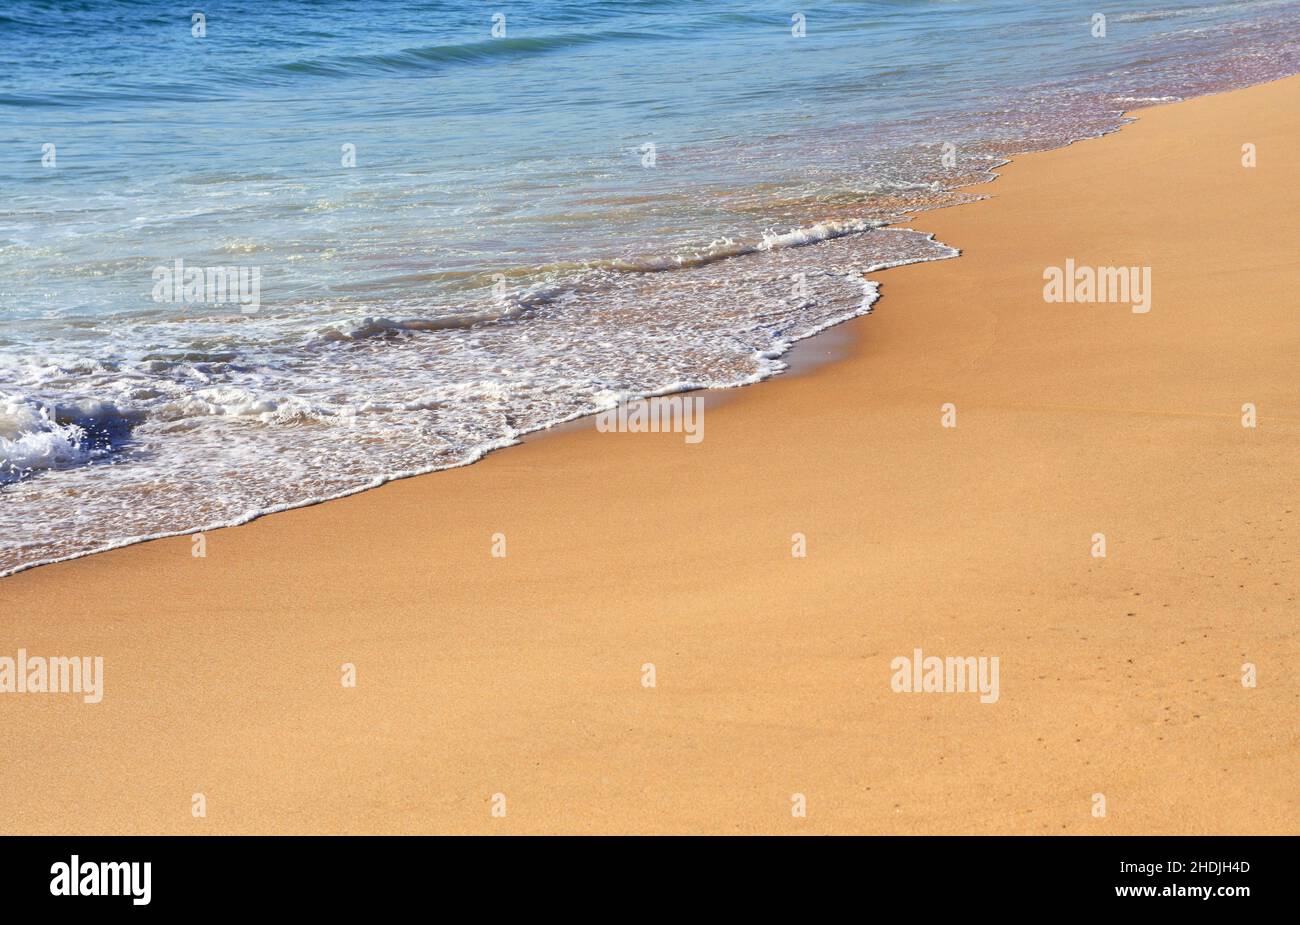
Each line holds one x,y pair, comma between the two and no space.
36,435
232,431
31,440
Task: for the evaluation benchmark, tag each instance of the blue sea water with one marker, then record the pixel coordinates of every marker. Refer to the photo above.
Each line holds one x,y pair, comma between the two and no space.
473,220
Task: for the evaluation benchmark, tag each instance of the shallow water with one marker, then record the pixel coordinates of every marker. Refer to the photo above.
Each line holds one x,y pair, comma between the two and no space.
507,252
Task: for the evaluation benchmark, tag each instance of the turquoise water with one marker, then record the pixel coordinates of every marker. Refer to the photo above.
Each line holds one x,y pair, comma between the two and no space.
459,238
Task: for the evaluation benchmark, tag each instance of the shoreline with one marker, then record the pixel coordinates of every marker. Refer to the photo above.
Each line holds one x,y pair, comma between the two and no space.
522,675
796,360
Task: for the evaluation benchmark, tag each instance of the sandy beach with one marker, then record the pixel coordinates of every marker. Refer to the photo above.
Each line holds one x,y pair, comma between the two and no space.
525,675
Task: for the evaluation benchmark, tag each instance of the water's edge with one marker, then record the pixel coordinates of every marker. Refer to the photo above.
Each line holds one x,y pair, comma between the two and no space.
795,357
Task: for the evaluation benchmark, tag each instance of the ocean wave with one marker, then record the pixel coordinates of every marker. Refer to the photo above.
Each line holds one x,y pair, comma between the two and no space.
521,306
517,307
384,327
726,249
432,57
36,435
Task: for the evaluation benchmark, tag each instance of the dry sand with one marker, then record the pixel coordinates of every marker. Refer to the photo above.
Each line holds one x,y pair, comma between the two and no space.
523,675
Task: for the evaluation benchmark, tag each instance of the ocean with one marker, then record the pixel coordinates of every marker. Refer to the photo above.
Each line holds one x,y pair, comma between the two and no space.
289,251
